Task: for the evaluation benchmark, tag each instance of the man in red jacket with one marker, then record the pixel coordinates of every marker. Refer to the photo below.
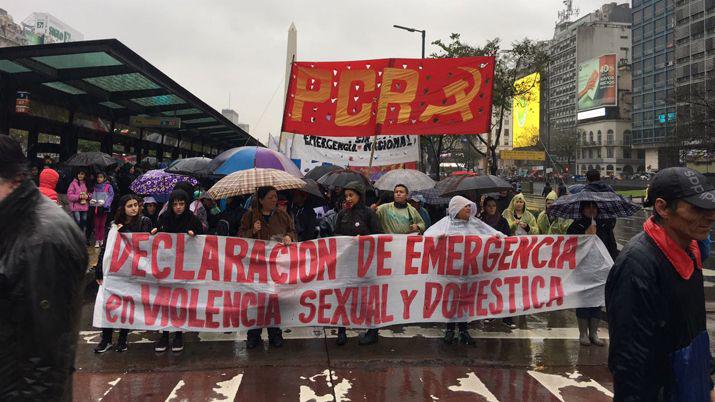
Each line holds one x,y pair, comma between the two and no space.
48,182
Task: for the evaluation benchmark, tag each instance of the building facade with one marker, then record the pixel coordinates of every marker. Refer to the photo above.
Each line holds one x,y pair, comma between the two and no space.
50,29
11,34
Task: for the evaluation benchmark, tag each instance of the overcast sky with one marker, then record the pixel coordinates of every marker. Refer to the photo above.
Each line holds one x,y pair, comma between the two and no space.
214,47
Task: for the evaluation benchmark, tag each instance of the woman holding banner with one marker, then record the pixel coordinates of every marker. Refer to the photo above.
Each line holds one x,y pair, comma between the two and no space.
521,221
355,219
127,219
178,218
462,220
267,222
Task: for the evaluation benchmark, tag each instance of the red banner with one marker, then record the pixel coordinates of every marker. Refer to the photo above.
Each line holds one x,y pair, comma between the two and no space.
390,96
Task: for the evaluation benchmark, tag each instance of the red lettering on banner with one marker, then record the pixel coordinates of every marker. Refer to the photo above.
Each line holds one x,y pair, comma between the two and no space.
327,258
467,299
273,311
307,295
363,264
407,299
292,262
568,254
358,308
512,281
257,264
525,298
323,305
384,317
450,300
497,306
209,259
433,254
235,259
507,252
127,309
555,251
382,255
118,260
411,254
231,309
535,261
194,321
138,253
491,259
160,305
308,250
341,312
113,302
556,291
261,310
481,298
211,308
179,272
537,284
177,306
276,275
523,252
247,300
472,247
453,255
160,273
431,300
373,305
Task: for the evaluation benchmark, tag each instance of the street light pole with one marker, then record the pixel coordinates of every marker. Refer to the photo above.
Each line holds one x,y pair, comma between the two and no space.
422,31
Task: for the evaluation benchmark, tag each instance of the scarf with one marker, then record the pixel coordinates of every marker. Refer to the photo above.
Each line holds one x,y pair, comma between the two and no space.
679,258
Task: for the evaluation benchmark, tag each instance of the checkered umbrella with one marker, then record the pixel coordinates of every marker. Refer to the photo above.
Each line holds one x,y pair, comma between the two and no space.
610,205
249,180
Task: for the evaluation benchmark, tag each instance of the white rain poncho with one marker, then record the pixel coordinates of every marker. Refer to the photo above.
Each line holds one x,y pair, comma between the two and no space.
450,225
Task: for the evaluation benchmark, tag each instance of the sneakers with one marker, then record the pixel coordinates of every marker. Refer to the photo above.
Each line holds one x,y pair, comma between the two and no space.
162,344
121,345
449,336
509,322
104,345
178,344
369,337
342,337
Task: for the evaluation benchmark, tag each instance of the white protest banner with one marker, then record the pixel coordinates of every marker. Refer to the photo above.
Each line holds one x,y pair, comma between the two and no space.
214,283
355,151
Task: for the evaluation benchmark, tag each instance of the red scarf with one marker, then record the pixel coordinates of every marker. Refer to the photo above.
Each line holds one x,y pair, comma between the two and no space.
676,255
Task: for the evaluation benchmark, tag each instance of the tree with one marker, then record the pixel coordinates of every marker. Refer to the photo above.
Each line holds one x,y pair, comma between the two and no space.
525,57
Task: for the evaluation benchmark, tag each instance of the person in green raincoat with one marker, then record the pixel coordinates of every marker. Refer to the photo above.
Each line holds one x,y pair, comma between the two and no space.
552,226
521,221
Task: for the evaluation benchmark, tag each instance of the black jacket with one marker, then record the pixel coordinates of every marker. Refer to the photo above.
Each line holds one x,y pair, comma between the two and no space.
43,260
229,221
359,220
604,231
141,225
656,321
502,225
305,222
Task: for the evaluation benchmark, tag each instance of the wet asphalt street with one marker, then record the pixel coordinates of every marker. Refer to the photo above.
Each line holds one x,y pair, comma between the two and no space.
541,360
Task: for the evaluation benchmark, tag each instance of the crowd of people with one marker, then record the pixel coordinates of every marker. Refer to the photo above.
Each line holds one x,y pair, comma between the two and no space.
659,346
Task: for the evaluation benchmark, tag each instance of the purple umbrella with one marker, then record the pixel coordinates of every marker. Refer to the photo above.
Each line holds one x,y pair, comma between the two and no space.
158,182
243,158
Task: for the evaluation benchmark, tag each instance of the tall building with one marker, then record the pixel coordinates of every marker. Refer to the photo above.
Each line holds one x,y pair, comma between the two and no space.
10,33
653,66
230,114
50,28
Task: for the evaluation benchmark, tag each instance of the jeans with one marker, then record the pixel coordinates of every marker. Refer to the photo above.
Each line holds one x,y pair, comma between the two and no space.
81,218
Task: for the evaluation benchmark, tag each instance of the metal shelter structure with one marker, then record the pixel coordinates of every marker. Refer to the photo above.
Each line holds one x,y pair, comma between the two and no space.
77,96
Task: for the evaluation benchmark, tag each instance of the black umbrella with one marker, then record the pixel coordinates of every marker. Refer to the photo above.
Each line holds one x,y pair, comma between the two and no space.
340,178
197,166
610,205
99,159
482,184
314,192
320,171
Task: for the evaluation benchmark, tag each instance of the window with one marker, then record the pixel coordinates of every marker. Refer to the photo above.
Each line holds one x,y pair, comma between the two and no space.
659,7
590,136
626,153
598,153
627,137
609,137
609,154
637,16
598,135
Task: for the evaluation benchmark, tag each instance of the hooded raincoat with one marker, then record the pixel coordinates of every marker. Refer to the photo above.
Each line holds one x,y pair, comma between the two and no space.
552,226
526,217
450,225
48,182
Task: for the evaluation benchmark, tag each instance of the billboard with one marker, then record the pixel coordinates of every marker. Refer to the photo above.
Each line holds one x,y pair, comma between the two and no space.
522,155
597,83
390,97
525,110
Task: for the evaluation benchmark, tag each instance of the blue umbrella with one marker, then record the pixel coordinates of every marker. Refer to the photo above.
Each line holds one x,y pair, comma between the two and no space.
244,158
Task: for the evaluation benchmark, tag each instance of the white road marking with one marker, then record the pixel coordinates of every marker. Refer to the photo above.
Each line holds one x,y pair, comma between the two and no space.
554,382
472,383
228,389
341,389
112,384
176,389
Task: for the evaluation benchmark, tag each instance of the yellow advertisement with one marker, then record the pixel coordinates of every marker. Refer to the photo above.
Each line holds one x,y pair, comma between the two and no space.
525,110
523,155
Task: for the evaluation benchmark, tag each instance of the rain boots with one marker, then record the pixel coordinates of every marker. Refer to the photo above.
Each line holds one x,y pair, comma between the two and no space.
583,338
588,332
342,337
593,332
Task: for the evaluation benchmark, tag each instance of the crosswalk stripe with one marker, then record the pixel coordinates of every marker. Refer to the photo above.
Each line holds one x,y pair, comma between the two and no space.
554,382
176,389
228,389
472,383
